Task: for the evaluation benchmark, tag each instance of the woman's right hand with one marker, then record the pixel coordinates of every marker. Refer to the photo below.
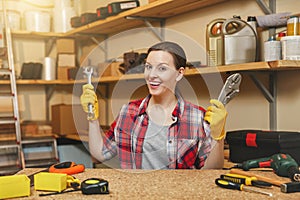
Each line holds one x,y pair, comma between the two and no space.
89,97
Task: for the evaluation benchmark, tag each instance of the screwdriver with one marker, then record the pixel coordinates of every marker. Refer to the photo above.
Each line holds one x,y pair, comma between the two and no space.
236,178
237,186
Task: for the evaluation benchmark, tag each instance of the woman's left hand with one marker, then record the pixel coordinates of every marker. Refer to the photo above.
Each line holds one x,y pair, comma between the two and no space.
216,116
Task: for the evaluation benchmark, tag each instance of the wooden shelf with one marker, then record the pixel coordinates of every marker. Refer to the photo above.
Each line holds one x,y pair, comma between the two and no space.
36,35
254,66
113,24
158,9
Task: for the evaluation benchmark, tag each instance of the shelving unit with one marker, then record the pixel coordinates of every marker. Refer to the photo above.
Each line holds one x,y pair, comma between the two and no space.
244,67
13,145
158,10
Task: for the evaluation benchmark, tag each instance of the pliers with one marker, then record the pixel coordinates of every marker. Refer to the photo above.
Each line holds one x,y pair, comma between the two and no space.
230,88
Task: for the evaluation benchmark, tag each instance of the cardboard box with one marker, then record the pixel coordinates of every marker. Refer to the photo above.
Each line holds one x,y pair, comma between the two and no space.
68,119
66,60
29,129
65,45
109,69
63,73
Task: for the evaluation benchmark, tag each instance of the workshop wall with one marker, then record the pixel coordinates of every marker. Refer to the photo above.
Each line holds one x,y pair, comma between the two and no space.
248,110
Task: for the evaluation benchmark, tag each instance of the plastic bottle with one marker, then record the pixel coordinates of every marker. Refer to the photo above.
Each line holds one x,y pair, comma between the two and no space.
272,50
280,35
292,25
251,20
240,41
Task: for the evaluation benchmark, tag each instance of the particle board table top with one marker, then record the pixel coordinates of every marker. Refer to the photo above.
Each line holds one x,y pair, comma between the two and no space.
164,184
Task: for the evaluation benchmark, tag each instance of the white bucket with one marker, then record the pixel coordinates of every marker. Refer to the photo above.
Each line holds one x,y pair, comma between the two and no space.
290,47
37,21
62,19
62,3
13,19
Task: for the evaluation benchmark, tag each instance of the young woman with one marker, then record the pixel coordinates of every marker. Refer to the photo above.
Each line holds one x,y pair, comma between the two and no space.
161,131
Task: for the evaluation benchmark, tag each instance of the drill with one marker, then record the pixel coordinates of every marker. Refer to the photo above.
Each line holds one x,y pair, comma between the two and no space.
282,164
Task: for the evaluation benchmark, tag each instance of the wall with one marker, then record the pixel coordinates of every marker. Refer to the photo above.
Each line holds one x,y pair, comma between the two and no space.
248,110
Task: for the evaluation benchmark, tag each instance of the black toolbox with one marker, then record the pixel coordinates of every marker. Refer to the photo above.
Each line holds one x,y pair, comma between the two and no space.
115,8
76,22
86,18
252,144
102,12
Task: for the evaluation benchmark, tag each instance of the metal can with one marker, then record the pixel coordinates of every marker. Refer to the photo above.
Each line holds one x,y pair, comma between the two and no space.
272,50
293,26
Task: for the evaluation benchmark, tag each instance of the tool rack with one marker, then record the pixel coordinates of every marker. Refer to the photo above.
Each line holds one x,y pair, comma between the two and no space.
13,154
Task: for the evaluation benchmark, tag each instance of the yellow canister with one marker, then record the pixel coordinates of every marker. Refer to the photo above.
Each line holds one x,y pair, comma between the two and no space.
14,186
293,26
50,181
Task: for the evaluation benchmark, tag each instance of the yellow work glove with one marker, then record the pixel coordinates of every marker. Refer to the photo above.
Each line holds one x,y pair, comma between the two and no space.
216,116
89,97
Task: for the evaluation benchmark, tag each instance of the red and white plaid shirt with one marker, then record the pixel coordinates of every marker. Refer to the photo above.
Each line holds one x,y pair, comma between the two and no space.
189,141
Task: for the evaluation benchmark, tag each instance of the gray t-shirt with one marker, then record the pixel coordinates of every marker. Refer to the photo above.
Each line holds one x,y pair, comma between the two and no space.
155,147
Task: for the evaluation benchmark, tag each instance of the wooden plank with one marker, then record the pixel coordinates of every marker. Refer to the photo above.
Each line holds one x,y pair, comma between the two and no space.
253,66
284,64
35,35
189,6
229,68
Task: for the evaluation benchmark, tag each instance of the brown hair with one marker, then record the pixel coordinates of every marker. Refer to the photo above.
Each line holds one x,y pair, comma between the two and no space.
174,49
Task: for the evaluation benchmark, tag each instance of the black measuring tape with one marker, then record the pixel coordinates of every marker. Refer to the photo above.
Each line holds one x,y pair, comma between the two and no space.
94,186
87,187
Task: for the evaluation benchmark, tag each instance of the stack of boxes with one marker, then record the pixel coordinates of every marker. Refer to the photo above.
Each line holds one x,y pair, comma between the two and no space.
66,57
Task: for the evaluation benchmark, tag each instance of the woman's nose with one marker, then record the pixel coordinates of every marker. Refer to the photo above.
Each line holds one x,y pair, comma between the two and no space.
153,72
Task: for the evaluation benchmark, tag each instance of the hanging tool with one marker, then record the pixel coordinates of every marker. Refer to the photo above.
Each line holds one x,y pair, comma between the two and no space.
89,72
67,168
245,180
282,164
230,88
237,186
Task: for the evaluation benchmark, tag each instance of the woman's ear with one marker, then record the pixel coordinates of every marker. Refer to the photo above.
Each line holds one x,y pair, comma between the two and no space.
180,74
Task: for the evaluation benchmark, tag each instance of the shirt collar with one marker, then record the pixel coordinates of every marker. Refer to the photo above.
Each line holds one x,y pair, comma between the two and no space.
177,112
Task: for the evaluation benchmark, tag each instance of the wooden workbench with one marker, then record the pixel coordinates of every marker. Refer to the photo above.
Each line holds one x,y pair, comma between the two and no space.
163,184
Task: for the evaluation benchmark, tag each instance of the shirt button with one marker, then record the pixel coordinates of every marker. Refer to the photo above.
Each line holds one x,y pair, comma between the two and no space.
170,141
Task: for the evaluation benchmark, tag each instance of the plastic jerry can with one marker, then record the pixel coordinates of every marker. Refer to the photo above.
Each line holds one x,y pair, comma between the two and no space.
240,42
215,42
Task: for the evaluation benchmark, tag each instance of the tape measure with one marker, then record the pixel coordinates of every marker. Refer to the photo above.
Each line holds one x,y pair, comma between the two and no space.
94,186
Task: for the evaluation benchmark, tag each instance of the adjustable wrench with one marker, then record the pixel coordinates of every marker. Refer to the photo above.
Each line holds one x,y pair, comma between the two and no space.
89,72
230,88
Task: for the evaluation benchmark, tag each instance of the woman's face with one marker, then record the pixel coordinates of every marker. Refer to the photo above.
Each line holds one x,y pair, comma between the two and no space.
160,73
